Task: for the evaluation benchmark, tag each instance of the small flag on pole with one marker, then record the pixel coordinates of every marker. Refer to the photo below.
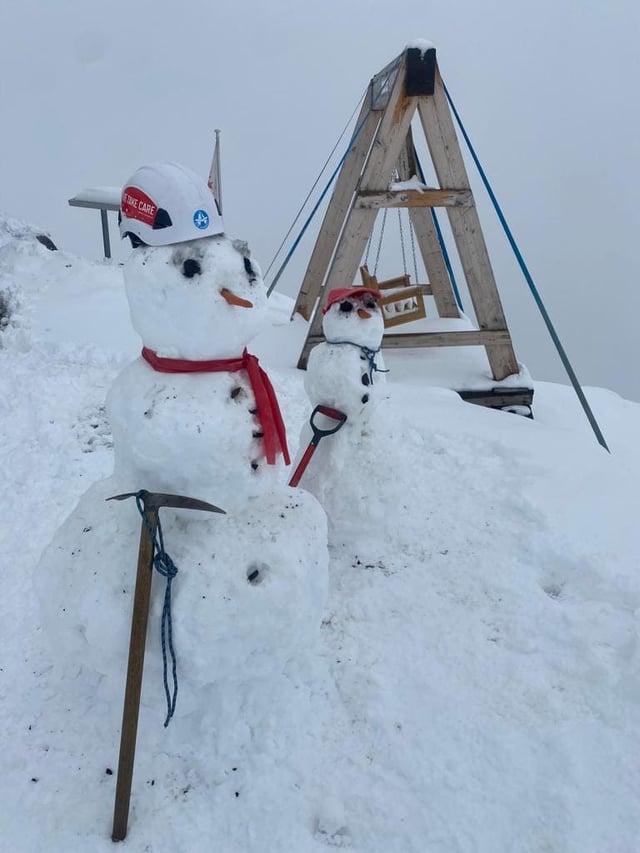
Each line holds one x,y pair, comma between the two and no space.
215,180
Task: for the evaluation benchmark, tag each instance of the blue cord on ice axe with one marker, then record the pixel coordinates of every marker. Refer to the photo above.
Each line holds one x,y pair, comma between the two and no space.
150,504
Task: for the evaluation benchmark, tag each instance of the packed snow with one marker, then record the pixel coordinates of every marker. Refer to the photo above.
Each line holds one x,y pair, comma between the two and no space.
464,679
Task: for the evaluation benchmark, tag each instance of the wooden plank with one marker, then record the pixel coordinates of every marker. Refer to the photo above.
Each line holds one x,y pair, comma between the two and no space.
404,294
498,398
383,156
447,159
399,281
314,336
400,315
429,245
463,338
389,283
413,198
336,211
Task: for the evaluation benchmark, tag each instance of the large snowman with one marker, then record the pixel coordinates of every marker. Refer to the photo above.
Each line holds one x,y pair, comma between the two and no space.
195,415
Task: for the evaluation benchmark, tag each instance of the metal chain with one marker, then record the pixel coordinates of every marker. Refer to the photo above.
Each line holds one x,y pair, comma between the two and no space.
366,254
384,222
404,256
413,250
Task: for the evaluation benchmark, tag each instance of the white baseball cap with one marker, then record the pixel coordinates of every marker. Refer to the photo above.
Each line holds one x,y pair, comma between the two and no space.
167,203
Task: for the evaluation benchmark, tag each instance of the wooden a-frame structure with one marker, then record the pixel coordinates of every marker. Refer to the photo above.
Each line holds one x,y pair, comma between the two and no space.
382,146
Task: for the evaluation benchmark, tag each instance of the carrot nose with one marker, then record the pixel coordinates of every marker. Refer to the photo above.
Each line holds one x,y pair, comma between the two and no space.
232,299
364,314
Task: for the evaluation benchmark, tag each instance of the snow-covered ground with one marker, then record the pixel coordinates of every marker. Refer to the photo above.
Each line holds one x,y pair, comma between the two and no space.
475,685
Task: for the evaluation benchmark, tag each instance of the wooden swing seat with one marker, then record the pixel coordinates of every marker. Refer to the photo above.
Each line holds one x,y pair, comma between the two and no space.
404,305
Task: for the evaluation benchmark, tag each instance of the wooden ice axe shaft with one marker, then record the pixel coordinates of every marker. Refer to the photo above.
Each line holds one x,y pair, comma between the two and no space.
139,619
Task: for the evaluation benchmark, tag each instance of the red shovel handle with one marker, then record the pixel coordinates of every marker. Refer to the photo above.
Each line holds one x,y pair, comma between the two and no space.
318,434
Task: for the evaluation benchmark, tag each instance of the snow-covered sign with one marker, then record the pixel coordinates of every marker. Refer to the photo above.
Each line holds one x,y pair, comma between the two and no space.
101,198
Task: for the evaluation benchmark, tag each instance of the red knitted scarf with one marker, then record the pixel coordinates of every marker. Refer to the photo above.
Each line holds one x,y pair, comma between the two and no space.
268,411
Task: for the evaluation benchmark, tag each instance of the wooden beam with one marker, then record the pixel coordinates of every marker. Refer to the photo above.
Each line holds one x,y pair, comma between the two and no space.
427,239
413,198
382,159
463,338
447,159
429,245
498,398
334,217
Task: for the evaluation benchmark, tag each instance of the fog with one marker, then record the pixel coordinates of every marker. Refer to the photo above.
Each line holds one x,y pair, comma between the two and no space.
89,92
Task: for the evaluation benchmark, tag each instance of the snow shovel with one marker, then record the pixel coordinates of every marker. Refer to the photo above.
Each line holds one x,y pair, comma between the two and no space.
318,434
152,502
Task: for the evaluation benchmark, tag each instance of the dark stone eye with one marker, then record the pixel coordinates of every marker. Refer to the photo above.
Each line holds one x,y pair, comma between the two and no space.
249,270
346,307
190,268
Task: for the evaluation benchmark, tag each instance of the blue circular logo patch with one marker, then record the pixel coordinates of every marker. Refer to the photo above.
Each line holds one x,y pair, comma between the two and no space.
201,219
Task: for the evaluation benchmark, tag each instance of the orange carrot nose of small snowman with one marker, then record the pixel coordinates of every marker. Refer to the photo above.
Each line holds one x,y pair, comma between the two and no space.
364,314
232,299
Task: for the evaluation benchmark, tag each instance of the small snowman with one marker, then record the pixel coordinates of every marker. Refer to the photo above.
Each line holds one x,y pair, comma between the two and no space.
345,373
196,416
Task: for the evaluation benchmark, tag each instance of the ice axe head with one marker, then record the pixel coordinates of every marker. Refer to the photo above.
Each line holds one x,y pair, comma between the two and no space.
155,500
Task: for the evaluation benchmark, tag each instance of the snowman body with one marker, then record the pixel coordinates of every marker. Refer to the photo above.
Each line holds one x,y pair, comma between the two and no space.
347,373
194,433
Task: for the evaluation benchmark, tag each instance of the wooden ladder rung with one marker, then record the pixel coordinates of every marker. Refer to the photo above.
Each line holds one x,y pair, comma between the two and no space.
376,199
463,338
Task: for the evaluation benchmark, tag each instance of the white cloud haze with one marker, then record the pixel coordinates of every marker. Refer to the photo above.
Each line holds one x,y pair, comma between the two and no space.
89,92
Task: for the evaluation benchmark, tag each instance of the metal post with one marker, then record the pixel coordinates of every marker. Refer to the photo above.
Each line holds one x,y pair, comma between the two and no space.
105,233
218,172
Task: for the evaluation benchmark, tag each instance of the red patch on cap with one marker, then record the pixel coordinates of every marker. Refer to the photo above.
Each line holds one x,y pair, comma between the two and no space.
340,293
137,205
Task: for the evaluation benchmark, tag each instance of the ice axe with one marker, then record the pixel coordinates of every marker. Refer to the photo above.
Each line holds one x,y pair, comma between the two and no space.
152,502
318,435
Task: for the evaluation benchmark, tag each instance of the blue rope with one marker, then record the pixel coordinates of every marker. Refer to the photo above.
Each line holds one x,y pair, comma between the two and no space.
369,354
163,563
296,242
315,183
443,247
534,291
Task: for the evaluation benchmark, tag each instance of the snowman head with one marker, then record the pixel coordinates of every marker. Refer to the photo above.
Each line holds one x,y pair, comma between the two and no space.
197,300
353,315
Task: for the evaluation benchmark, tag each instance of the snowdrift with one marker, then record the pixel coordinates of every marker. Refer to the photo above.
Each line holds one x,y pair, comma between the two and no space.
475,684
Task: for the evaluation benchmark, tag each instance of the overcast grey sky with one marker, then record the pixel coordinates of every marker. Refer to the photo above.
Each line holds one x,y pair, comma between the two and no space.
548,92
